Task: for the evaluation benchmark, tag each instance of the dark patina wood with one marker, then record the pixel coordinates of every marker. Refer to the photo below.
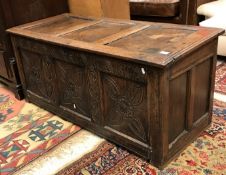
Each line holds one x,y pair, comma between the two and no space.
17,12
145,86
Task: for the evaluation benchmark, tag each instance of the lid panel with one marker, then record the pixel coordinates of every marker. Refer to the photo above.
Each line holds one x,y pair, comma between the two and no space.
58,25
154,40
98,31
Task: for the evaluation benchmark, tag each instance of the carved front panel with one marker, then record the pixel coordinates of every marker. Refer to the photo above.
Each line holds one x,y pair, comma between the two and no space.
125,104
73,87
40,75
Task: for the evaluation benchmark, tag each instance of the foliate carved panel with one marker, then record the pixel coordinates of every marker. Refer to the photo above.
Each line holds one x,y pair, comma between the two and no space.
73,88
40,75
125,104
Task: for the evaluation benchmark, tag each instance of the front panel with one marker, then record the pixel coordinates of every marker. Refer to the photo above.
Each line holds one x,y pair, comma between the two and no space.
104,92
72,83
40,75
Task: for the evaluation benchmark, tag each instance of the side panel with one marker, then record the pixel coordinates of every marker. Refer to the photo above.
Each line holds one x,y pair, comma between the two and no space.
40,75
190,98
177,106
202,89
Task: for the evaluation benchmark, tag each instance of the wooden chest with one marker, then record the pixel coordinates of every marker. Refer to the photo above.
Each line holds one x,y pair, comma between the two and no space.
145,86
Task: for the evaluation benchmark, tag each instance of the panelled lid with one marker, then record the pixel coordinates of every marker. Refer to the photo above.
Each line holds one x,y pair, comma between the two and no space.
144,42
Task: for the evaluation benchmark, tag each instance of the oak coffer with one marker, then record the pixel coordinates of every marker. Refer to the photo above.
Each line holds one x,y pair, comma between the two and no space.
145,86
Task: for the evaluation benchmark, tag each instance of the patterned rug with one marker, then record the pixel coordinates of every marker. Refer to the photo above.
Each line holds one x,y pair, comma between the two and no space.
26,132
205,156
220,80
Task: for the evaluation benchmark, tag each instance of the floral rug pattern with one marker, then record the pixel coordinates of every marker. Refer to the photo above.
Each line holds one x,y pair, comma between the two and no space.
26,132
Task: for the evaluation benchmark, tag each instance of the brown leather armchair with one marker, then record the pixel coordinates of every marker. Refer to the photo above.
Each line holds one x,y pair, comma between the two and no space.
172,11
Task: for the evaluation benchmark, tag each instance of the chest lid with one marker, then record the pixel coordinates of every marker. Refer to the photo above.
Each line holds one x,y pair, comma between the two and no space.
155,44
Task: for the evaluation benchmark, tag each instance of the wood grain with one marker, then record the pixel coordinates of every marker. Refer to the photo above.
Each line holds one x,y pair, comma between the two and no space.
17,12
